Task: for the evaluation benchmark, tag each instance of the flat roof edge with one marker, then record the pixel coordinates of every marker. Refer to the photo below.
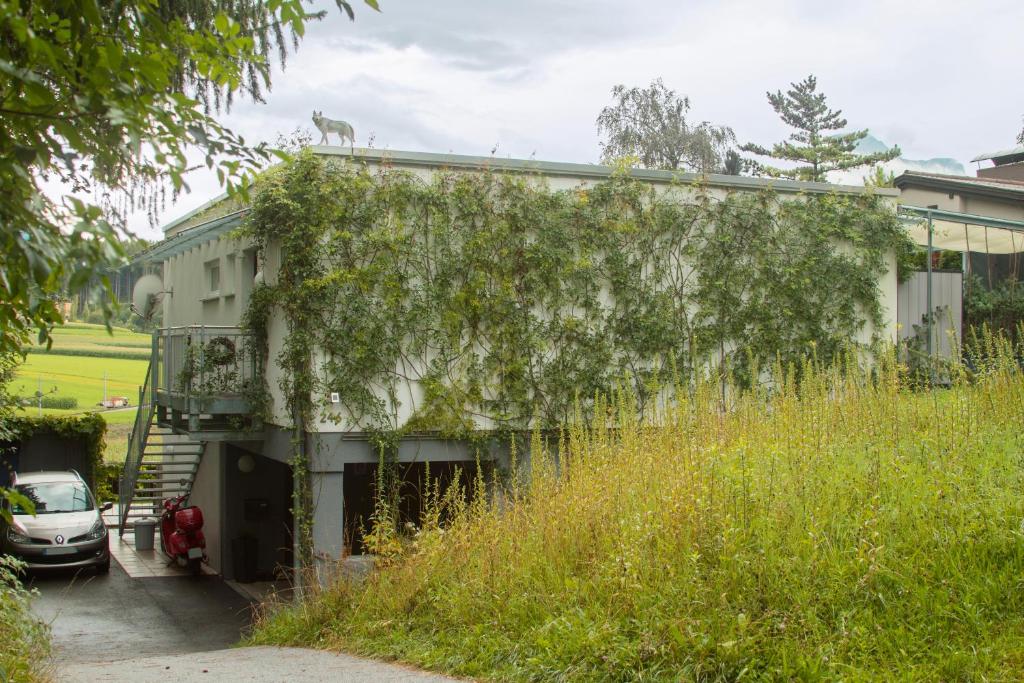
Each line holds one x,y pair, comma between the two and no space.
582,171
468,162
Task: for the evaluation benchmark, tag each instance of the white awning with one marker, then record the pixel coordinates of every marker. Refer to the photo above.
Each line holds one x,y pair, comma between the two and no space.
963,232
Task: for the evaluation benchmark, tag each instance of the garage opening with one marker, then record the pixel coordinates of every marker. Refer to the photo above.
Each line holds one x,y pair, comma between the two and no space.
360,490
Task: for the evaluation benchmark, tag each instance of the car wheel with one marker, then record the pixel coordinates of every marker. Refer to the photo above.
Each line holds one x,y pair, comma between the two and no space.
103,568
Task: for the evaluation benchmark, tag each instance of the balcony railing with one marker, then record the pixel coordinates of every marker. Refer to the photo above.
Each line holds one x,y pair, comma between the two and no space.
204,375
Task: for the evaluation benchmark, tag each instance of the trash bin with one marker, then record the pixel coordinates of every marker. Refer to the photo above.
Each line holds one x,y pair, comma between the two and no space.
145,528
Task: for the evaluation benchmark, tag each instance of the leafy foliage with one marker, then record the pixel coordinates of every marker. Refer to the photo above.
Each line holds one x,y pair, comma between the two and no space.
812,147
1000,309
24,639
501,301
650,124
110,99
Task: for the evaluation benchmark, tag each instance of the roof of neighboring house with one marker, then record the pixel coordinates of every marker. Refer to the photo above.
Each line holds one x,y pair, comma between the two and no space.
986,187
181,242
203,230
1001,155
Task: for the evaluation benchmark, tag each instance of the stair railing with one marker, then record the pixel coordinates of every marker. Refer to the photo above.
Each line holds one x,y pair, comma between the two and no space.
136,445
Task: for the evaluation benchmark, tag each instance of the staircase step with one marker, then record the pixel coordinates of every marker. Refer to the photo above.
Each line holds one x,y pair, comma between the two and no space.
165,480
144,499
179,458
184,468
169,486
176,451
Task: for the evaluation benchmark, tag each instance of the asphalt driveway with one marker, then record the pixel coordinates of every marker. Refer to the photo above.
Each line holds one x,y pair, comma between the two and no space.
116,628
97,618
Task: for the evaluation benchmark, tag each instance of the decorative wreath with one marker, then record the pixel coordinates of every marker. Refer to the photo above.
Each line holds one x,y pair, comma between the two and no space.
219,351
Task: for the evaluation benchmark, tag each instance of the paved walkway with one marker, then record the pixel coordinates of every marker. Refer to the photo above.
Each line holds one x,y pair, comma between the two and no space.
256,664
142,564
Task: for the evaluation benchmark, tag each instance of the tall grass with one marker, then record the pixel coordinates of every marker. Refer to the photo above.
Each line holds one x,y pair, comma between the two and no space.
24,640
839,528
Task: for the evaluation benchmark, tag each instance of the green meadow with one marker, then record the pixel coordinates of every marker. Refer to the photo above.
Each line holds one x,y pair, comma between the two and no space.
82,361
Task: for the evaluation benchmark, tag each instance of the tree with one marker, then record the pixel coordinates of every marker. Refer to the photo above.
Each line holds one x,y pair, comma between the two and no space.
733,163
650,124
1020,138
811,147
116,101
879,177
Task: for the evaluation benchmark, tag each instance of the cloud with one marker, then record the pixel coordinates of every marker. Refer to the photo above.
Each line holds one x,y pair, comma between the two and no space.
531,76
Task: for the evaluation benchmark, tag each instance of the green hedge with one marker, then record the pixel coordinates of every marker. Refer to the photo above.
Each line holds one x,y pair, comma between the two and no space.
58,402
89,428
124,354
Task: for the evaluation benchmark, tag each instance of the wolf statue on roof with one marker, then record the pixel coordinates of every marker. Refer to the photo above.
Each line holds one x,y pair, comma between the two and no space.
326,126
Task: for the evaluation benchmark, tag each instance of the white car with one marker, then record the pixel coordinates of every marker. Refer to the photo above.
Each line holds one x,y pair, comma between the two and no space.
66,530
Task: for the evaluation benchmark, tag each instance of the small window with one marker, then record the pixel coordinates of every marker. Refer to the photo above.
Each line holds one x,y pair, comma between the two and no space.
213,278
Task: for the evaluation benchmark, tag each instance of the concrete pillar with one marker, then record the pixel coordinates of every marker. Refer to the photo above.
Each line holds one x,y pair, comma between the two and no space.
328,522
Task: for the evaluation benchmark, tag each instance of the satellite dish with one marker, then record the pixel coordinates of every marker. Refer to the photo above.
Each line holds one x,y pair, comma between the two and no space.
147,295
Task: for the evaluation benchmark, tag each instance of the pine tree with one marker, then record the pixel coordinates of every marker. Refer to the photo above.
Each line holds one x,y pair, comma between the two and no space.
733,164
813,147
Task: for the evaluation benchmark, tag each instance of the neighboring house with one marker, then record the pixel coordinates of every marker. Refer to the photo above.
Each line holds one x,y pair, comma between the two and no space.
238,471
977,219
1008,164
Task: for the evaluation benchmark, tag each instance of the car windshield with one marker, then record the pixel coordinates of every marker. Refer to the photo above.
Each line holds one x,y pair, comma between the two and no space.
53,497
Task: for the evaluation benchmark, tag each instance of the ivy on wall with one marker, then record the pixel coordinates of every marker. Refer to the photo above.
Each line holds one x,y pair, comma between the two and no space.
507,301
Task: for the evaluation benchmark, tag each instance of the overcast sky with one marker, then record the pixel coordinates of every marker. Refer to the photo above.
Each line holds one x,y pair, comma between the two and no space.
941,78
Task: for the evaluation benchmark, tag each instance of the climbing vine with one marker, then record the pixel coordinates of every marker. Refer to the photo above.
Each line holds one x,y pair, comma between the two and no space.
502,302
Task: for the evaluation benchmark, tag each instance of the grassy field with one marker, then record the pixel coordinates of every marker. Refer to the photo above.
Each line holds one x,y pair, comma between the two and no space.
82,355
849,530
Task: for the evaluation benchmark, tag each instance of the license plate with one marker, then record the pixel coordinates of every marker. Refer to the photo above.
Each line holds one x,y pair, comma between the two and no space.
59,551
195,553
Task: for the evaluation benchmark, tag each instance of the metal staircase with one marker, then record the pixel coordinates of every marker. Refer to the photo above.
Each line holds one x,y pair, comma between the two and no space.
159,464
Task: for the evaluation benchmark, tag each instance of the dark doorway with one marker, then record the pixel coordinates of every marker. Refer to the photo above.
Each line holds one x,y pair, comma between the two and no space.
257,516
360,490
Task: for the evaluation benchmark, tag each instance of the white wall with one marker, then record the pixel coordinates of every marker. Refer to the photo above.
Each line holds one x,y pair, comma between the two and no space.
192,303
206,494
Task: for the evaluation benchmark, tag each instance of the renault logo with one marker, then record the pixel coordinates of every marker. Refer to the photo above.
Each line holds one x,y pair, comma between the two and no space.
59,539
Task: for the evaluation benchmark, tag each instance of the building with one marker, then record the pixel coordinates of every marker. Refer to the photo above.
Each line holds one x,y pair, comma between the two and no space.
196,432
1007,164
983,218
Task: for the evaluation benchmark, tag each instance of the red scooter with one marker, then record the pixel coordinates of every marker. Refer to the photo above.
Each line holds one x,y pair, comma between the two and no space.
181,533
